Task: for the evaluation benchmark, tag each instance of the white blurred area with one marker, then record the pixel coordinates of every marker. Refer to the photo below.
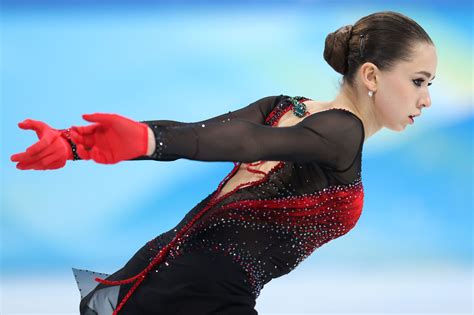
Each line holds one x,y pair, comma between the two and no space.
414,290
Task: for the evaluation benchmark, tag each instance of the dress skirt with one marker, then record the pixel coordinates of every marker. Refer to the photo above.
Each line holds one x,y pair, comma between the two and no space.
196,283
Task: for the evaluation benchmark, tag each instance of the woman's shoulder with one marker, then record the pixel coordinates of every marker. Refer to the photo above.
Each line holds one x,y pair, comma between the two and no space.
335,119
342,131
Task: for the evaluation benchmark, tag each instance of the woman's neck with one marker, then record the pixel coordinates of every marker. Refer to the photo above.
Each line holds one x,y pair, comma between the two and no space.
362,107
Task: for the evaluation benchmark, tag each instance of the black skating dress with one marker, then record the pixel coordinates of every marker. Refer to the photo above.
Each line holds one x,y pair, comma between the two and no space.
225,249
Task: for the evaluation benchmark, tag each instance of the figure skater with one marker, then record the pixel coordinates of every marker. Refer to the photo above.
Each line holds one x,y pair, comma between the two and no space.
296,182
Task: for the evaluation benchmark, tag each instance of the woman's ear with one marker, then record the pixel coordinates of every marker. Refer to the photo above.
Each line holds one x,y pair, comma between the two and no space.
368,74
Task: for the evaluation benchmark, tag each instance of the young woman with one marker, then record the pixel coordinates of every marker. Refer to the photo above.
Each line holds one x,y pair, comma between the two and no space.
295,186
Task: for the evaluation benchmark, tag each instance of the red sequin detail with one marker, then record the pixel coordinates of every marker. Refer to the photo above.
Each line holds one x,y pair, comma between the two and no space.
338,205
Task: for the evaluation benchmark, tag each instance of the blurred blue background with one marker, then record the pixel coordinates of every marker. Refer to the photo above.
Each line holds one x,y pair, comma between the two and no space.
411,251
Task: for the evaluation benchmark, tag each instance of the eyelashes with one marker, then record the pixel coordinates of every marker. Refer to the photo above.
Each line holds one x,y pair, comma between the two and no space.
421,80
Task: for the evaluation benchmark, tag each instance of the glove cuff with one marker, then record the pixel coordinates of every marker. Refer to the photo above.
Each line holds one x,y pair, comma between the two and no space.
67,134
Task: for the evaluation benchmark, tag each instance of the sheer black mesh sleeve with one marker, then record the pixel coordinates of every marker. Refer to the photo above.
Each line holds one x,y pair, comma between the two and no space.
331,138
255,112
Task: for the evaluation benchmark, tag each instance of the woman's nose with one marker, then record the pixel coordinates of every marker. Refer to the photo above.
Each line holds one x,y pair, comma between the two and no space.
426,102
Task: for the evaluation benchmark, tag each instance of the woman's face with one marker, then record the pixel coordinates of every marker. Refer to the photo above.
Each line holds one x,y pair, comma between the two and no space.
403,90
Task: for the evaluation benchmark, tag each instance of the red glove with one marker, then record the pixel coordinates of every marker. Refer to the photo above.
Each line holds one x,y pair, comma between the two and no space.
50,152
112,139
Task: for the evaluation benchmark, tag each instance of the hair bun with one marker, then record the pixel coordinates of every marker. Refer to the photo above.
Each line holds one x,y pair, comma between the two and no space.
336,48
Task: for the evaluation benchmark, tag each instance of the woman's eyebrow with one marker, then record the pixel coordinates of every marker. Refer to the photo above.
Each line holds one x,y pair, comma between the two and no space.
427,74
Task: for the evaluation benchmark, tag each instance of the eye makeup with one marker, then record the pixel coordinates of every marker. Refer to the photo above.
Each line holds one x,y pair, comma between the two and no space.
416,80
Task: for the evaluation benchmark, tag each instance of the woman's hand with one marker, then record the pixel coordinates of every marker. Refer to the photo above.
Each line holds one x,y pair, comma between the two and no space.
113,138
50,152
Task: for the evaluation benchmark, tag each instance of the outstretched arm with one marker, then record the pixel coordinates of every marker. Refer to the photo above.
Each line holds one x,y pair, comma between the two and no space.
331,138
255,112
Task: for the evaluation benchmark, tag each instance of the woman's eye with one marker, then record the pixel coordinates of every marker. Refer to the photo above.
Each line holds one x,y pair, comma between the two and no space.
420,80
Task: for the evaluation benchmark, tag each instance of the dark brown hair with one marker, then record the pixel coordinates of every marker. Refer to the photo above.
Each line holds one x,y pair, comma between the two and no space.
382,38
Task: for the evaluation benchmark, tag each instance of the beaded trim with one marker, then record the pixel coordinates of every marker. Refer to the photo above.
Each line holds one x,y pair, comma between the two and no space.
67,133
299,108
